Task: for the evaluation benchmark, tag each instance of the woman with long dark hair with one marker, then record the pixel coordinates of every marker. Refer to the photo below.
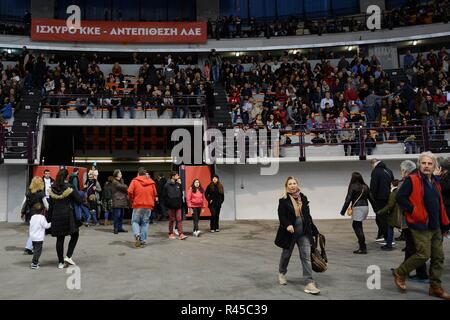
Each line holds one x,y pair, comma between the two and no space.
358,196
196,202
215,196
62,217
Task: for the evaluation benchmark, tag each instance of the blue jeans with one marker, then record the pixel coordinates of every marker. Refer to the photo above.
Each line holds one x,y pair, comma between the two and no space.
118,219
216,73
389,236
139,222
90,214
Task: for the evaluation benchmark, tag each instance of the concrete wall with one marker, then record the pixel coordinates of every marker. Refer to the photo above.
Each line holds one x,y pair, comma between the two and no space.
207,9
386,54
324,183
13,183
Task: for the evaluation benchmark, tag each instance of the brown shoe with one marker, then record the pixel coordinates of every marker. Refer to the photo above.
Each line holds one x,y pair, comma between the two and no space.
399,282
438,292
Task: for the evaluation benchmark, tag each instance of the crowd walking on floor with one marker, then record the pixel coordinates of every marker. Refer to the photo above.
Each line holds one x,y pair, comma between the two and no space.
417,204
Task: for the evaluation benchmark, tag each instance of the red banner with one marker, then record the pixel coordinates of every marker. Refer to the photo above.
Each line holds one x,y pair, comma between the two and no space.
202,173
121,32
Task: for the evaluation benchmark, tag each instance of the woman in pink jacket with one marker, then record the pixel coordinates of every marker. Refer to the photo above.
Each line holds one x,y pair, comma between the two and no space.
196,201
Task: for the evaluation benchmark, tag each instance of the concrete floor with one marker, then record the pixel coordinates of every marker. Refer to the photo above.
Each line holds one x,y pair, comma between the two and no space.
240,262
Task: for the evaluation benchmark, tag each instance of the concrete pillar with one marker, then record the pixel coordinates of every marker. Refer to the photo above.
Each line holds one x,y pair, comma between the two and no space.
43,9
3,192
207,9
387,55
363,4
13,184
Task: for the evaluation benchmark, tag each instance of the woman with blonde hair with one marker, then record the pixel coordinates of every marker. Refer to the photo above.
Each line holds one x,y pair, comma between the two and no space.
296,227
34,203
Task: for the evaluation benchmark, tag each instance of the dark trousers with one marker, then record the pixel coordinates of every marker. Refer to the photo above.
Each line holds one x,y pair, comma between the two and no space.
175,215
381,220
118,218
60,246
358,228
37,250
215,213
196,216
410,249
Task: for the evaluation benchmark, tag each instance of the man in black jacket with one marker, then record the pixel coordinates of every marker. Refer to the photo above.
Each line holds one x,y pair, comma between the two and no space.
380,187
173,199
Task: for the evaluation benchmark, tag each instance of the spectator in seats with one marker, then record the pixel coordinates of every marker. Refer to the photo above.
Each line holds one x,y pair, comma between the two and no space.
324,101
246,108
206,72
347,138
259,122
329,125
358,198
341,121
384,121
6,112
129,103
429,113
116,104
117,71
256,110
179,102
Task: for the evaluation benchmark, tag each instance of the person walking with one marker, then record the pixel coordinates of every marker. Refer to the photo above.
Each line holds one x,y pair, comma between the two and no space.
215,196
408,167
421,198
119,200
35,203
359,196
143,196
196,202
38,225
380,186
445,183
393,216
160,183
93,189
62,217
172,197
107,199
296,227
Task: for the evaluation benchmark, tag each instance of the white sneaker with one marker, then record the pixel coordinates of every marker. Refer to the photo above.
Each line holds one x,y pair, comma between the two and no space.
212,231
282,279
176,232
195,233
61,266
198,233
69,261
311,288
380,240
384,243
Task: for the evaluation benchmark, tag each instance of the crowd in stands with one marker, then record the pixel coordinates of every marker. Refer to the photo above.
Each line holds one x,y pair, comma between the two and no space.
78,81
293,94
412,13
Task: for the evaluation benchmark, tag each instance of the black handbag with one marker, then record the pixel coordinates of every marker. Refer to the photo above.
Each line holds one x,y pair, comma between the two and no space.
319,259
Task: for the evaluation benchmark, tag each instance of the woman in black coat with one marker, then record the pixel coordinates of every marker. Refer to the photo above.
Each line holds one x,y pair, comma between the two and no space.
215,195
62,217
296,227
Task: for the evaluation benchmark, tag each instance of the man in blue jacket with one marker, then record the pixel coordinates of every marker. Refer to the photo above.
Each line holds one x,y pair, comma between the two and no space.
6,112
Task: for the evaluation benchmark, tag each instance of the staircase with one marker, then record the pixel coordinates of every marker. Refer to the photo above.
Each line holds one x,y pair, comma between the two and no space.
20,140
221,110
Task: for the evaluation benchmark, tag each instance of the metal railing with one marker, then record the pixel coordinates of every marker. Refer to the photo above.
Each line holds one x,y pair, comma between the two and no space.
103,105
359,141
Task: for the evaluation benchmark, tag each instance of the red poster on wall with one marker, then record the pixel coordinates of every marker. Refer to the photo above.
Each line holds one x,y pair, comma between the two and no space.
119,32
203,173
39,171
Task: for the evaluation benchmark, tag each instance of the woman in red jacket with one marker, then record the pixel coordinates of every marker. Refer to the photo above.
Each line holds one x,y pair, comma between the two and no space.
196,203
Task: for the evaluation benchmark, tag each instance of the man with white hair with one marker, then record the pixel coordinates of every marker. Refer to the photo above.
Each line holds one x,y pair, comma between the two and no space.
408,167
420,196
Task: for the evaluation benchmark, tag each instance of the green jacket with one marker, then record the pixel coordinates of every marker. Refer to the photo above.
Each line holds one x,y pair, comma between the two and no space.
392,210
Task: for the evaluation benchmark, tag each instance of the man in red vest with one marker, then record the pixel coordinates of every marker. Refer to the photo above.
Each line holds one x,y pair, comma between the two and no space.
420,196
